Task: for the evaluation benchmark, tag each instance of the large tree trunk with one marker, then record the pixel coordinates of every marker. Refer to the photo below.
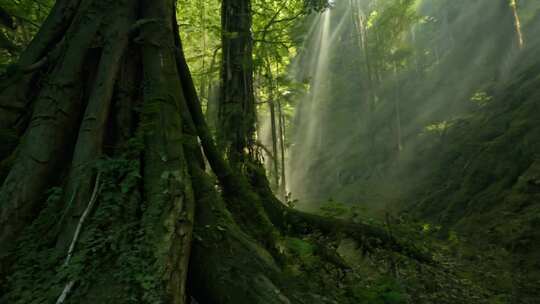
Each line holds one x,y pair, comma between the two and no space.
66,137
50,135
237,101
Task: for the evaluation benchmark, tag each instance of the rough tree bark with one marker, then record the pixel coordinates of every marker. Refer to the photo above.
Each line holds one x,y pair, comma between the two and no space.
237,101
115,122
15,90
74,97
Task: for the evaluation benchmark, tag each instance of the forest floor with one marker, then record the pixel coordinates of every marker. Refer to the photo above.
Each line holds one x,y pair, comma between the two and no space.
461,272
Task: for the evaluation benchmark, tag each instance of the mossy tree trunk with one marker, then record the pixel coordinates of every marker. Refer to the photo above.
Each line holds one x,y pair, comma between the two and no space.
88,84
237,101
108,183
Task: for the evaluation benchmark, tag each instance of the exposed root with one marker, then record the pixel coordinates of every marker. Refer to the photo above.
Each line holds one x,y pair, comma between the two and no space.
241,200
92,131
227,265
48,137
280,215
299,222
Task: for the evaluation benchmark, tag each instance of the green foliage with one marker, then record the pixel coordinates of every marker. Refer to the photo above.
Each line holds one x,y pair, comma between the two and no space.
389,22
383,291
114,244
28,15
200,29
318,5
35,279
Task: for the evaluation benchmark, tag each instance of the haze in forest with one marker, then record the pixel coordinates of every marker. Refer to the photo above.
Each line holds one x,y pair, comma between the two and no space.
384,81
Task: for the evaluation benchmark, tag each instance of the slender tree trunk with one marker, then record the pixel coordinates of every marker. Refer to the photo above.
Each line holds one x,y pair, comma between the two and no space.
206,76
212,96
372,88
273,130
273,125
377,69
283,181
418,68
397,110
517,23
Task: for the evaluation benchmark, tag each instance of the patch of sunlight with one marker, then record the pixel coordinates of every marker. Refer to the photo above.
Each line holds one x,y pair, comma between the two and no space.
481,98
371,19
438,127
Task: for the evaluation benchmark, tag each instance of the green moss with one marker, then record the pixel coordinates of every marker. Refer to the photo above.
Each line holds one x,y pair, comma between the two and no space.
114,259
299,247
